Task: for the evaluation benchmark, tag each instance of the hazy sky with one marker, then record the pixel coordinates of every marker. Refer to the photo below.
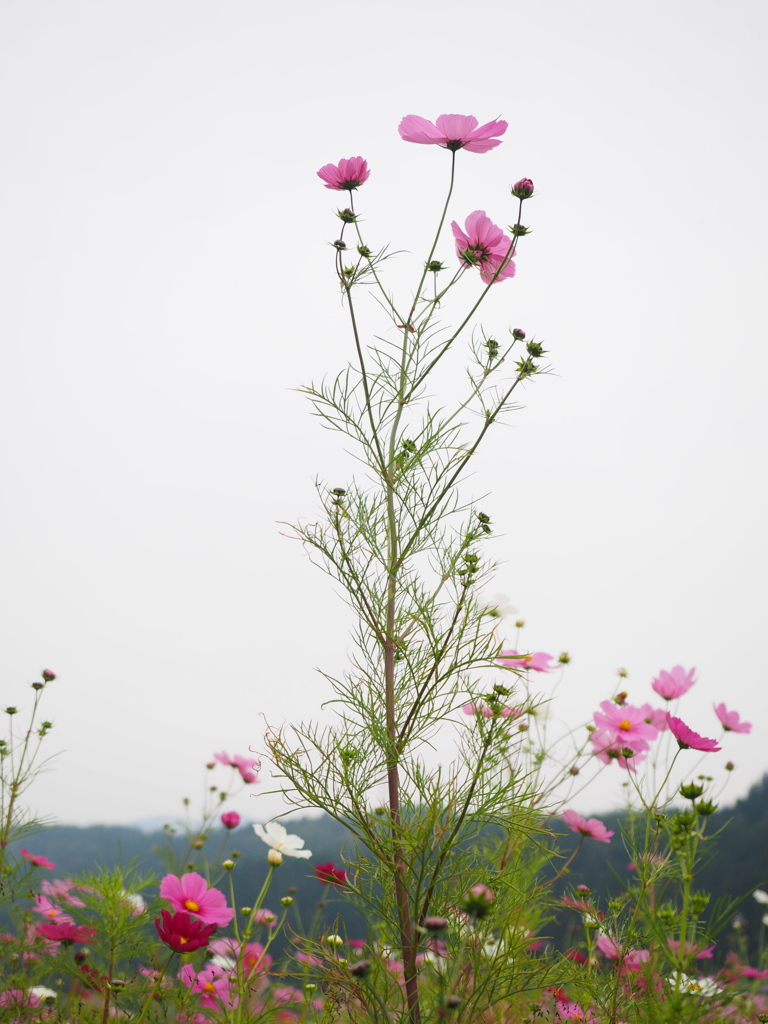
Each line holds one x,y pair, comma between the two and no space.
167,286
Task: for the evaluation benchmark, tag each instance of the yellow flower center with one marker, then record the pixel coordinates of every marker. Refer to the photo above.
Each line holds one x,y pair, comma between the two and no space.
192,907
625,725
527,659
209,987
183,939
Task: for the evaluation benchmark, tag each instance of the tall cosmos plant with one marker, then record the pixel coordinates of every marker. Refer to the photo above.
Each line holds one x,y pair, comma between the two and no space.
407,551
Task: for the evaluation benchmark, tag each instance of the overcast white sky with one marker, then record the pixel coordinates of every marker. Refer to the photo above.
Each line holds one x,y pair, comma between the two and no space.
166,284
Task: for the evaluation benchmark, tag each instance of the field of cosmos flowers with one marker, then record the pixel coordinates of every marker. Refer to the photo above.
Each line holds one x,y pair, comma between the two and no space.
452,863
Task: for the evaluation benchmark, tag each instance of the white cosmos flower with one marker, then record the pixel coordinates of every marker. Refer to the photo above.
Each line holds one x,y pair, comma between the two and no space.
760,895
42,992
276,837
695,986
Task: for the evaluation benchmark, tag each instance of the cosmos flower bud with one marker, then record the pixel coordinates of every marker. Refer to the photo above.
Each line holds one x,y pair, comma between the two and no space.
275,858
477,902
435,924
523,189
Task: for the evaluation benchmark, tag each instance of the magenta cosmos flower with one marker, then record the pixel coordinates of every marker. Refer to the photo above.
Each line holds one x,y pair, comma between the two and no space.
728,719
537,661
687,739
329,874
230,819
182,933
452,131
191,894
244,765
64,932
484,245
36,860
346,174
592,827
674,683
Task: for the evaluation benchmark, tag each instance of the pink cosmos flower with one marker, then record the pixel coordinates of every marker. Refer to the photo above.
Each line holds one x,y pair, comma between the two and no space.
244,765
753,974
19,999
674,683
486,712
264,916
687,739
347,174
730,720
628,724
251,954
615,951
190,893
36,860
484,245
51,911
689,949
212,984
593,828
608,747
60,890
656,717
452,131
230,819
538,661
572,1011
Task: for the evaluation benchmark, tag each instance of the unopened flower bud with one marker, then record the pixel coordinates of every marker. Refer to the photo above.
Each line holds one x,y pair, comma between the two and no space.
286,901
435,924
334,941
692,791
704,808
453,1002
246,910
477,901
348,216
360,969
80,956
230,819
365,251
622,673
310,987
523,189
11,711
621,698
729,766
275,858
37,686
574,770
47,675
228,865
520,623
565,658
518,335
435,266
339,244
